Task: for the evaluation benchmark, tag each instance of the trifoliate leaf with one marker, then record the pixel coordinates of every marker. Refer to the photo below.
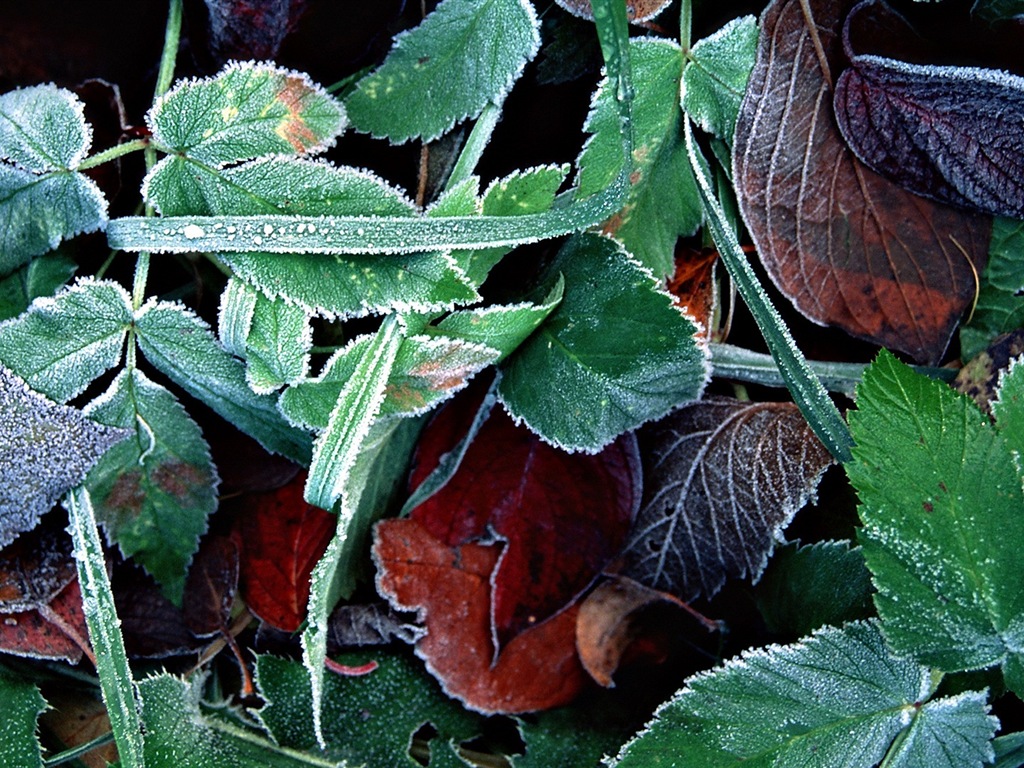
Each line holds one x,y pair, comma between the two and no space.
1000,306
43,200
663,203
837,698
61,344
943,513
722,480
45,449
613,355
22,706
424,87
182,347
247,110
337,285
154,493
368,720
716,76
180,734
39,278
806,587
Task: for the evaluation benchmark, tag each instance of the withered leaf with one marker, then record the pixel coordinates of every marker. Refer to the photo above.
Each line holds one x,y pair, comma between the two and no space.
370,624
722,479
847,246
636,10
45,449
210,587
152,626
34,569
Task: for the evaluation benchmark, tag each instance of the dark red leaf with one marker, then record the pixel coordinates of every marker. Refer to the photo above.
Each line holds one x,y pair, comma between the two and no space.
844,244
210,586
282,538
450,586
250,29
559,517
152,626
60,634
35,568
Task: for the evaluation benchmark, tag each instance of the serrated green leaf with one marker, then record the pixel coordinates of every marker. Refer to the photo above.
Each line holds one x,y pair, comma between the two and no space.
22,706
245,111
663,203
1008,410
277,348
180,735
716,76
43,200
465,55
502,327
154,492
61,344
234,317
182,347
837,698
576,736
368,720
943,513
613,355
1000,305
427,371
116,683
45,449
807,587
39,278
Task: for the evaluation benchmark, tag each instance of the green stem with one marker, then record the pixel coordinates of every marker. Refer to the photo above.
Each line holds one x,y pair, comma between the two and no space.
76,752
475,144
112,154
172,39
685,25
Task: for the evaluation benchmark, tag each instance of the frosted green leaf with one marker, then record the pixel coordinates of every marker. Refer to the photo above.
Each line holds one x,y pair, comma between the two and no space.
180,734
663,203
39,278
368,720
277,348
716,76
61,344
154,492
335,285
528,191
116,683
839,698
182,347
247,110
1000,305
45,449
501,327
613,355
1009,750
463,56
943,513
576,736
806,587
22,706
43,200
427,371
1008,410
234,318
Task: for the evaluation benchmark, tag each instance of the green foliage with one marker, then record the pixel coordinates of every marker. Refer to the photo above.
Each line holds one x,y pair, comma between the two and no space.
40,277
422,89
154,492
943,512
1000,307
43,199
837,698
613,355
716,76
22,706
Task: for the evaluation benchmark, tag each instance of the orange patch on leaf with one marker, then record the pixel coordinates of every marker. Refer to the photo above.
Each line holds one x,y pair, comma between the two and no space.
293,127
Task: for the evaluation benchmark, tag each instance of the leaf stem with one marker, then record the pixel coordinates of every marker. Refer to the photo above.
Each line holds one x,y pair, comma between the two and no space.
172,39
112,154
475,144
686,25
76,752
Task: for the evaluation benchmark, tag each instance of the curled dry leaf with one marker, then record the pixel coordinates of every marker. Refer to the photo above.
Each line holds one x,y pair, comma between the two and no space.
693,285
722,479
560,517
282,538
945,132
372,624
451,587
636,10
847,246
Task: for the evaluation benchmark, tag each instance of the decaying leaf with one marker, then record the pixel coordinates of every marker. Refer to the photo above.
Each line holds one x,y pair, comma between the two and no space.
722,479
76,718
979,378
371,624
151,625
250,29
693,285
55,630
211,584
636,10
845,245
45,449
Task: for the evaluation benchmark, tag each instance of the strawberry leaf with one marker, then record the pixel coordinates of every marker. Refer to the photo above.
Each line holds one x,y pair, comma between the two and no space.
153,493
420,92
22,706
943,513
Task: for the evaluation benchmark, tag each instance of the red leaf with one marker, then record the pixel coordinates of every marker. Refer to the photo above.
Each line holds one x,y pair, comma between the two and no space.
283,537
450,586
61,634
561,517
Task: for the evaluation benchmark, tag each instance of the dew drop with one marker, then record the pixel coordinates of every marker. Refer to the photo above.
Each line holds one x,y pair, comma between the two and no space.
268,229
193,232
